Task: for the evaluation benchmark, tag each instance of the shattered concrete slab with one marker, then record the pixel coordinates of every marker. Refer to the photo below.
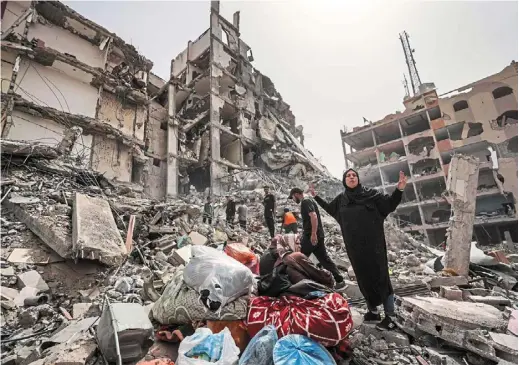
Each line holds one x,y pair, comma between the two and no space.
33,256
396,337
53,235
94,232
72,331
77,353
459,323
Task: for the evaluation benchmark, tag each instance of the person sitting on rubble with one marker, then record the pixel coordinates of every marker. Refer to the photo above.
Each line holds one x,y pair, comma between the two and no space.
289,221
269,202
312,238
208,211
360,213
230,210
242,214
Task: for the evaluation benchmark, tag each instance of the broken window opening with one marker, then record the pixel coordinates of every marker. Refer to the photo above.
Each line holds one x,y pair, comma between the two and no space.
164,125
421,146
486,181
156,162
507,118
225,37
475,129
426,167
431,189
137,171
413,126
455,131
502,92
460,105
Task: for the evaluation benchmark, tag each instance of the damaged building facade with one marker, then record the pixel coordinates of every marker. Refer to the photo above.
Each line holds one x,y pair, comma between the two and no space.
479,120
70,83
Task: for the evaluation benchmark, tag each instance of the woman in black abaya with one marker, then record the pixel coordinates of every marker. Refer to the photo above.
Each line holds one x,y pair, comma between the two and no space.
361,212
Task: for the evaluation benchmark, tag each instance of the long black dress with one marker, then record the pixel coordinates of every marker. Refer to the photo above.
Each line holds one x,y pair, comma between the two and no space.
361,212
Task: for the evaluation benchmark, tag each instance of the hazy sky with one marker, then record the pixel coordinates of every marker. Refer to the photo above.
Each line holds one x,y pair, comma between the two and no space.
334,62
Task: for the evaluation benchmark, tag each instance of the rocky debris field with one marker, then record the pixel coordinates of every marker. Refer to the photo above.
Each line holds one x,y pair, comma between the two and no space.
76,246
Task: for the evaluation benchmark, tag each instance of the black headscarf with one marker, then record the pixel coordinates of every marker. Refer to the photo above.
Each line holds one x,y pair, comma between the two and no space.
359,194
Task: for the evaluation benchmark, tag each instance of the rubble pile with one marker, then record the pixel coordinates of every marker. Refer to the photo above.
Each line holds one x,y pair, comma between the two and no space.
86,261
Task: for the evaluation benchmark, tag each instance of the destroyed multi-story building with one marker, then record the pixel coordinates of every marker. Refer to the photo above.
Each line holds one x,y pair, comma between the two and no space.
479,119
70,83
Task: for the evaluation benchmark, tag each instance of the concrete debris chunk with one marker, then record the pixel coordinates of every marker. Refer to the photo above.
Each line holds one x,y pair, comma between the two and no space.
17,199
32,279
182,255
459,323
80,310
95,234
74,353
57,237
437,282
197,238
33,256
124,285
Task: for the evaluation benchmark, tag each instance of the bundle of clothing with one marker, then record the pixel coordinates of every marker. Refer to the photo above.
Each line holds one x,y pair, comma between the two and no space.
296,297
282,266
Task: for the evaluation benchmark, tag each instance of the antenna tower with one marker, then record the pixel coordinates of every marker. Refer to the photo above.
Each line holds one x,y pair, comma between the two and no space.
411,63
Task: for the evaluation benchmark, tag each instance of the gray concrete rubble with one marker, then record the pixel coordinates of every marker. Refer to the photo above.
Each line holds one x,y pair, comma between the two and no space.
58,210
94,233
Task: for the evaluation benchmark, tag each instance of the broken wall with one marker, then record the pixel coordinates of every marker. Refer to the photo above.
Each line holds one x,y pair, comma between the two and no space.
54,87
111,158
27,127
64,41
157,130
123,114
155,184
483,106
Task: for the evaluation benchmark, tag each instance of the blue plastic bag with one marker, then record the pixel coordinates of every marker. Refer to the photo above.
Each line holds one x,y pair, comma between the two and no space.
203,347
260,349
301,350
210,349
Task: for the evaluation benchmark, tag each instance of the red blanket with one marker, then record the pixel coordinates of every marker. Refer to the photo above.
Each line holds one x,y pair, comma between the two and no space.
326,320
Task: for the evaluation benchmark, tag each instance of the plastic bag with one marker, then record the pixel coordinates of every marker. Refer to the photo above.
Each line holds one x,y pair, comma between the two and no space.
219,278
300,350
238,331
180,304
243,254
260,350
220,345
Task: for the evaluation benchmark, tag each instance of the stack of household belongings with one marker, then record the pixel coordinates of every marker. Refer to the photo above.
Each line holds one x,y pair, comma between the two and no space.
213,288
297,298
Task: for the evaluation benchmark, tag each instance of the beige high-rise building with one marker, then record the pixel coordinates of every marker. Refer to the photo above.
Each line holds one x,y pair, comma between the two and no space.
479,119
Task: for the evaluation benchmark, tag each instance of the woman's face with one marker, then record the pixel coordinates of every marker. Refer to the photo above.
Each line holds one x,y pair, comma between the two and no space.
351,180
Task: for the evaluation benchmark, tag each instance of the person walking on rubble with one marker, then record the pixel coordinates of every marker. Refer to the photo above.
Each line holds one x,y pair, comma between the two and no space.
312,237
269,203
289,221
242,214
208,211
230,210
360,213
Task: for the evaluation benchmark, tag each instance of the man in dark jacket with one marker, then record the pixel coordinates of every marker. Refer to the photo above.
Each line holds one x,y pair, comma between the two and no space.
230,210
312,237
269,202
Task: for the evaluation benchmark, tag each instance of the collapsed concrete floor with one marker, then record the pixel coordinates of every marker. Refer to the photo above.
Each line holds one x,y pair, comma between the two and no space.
66,233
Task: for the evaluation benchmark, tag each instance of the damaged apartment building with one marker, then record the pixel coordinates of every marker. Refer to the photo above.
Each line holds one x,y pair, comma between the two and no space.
70,83
480,120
